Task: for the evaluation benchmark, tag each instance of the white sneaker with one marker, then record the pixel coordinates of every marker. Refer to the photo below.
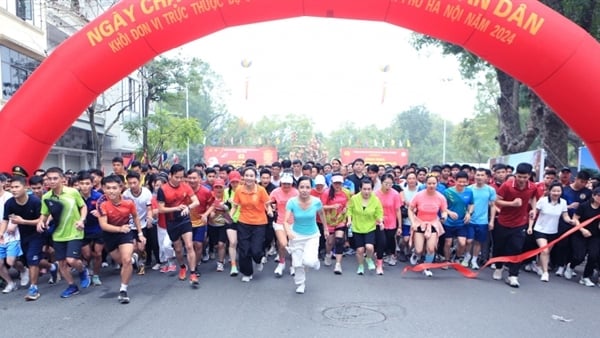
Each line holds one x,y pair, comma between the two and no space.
279,270
156,267
535,268
568,272
545,277
513,281
263,260
560,271
338,269
277,258
260,266
392,261
317,266
220,267
474,265
246,279
528,267
586,281
292,271
300,288
10,287
428,273
25,277
327,260
497,274
465,262
414,259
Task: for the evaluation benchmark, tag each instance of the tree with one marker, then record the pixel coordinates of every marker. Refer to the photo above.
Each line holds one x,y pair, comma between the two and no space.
97,138
167,132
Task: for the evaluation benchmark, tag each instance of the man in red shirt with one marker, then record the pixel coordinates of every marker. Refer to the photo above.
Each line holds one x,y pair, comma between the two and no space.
175,200
115,213
514,198
199,215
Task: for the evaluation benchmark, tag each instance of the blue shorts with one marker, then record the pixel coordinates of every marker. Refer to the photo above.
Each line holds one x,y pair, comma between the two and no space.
32,248
68,249
478,232
10,249
453,232
199,234
405,230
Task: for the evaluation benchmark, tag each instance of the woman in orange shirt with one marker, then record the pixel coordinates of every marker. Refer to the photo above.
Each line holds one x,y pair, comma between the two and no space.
252,200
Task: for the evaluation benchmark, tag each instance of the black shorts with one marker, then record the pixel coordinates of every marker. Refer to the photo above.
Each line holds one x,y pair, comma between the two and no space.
548,237
232,226
177,229
112,240
91,239
421,231
69,249
32,249
360,240
217,234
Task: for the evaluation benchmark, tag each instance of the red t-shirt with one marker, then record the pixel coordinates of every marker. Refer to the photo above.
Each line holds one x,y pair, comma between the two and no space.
117,214
162,221
541,189
315,193
205,197
512,217
174,196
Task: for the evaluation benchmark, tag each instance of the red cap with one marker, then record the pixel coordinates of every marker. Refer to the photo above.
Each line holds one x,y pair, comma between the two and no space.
219,183
235,176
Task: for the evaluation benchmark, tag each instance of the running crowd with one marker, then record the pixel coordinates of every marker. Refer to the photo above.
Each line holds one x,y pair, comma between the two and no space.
67,224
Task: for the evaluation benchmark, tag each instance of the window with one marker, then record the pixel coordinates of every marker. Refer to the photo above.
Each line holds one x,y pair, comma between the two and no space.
16,68
25,9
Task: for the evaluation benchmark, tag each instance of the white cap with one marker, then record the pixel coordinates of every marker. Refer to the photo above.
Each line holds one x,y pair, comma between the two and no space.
337,179
320,179
286,178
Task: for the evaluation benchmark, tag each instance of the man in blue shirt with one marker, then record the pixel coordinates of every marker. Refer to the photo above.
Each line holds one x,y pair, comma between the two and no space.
460,209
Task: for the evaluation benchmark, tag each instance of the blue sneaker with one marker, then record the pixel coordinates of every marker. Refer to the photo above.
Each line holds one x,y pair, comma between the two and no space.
71,290
84,277
33,293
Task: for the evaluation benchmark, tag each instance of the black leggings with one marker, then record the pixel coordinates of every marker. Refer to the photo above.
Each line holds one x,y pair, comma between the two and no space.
390,241
380,242
580,247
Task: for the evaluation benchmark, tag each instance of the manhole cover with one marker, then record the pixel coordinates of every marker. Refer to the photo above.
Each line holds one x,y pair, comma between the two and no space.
354,314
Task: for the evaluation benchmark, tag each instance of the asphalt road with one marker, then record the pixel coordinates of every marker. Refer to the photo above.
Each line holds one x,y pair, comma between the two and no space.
393,305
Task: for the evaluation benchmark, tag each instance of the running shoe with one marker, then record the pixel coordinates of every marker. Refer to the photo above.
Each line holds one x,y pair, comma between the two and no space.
205,257
53,274
220,267
123,297
135,259
10,287
84,278
246,279
327,260
497,274
379,269
156,267
276,258
71,290
587,282
568,272
545,277
445,267
234,271
361,270
164,269
338,269
392,261
32,293
292,271
279,270
24,276
194,279
560,271
104,265
370,263
349,252
272,251
260,266
512,281
182,272
535,268
300,289
414,259
474,265
428,273
171,267
465,262
96,280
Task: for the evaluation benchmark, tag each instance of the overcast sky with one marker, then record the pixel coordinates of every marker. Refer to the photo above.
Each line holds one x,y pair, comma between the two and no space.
330,70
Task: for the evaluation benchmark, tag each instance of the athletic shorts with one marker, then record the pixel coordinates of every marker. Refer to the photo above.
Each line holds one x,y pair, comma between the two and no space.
10,249
548,237
199,234
422,231
112,240
477,232
68,249
232,226
176,230
360,240
32,249
278,227
89,239
217,234
453,232
332,230
405,230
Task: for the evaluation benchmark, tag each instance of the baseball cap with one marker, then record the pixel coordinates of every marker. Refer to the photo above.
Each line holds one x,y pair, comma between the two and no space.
320,179
287,178
219,183
337,179
565,169
235,176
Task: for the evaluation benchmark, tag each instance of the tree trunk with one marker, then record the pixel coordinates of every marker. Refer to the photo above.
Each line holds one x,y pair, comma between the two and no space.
511,138
555,137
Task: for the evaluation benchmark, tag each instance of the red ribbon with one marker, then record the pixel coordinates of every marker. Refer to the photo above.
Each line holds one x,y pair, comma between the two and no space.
468,273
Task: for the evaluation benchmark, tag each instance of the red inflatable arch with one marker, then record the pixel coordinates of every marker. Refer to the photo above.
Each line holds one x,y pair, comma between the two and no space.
526,39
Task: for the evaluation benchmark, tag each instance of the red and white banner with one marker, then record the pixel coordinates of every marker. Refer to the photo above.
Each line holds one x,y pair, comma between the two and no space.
394,156
237,156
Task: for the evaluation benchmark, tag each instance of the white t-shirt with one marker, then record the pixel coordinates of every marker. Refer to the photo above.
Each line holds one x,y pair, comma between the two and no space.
141,204
549,214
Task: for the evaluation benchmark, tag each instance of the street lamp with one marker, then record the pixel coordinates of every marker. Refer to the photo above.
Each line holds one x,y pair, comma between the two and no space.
187,116
444,145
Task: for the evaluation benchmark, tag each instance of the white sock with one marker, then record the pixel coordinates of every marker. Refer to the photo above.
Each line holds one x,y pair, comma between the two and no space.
123,287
